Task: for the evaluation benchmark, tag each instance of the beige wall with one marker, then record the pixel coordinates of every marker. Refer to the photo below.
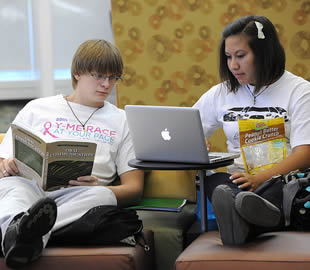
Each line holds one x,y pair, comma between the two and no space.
170,47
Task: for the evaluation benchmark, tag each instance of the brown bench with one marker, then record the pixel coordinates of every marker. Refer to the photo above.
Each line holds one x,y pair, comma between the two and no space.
276,251
93,258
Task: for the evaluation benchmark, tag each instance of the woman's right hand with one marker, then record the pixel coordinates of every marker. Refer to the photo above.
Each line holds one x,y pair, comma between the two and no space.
208,144
246,181
8,167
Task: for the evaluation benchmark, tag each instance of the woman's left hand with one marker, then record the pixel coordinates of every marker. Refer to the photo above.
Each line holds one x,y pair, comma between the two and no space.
245,181
89,180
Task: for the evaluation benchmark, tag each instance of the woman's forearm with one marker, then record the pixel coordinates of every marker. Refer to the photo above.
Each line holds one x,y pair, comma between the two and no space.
298,159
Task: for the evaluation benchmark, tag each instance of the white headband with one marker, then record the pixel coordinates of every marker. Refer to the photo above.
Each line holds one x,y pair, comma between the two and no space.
260,34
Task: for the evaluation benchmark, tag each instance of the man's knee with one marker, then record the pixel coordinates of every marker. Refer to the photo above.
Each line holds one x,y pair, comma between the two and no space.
102,196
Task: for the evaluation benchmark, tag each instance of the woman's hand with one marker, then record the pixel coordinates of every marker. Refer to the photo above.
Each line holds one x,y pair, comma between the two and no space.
245,181
298,159
89,180
8,167
208,144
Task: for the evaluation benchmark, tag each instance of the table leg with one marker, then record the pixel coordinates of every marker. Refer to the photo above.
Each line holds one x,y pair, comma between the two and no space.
203,202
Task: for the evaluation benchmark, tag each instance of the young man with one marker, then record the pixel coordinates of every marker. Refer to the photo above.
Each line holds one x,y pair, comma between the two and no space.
28,214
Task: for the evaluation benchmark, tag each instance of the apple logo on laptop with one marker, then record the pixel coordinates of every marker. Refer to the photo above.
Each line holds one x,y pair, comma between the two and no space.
166,135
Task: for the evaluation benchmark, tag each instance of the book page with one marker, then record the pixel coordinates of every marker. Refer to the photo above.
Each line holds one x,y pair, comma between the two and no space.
52,164
29,154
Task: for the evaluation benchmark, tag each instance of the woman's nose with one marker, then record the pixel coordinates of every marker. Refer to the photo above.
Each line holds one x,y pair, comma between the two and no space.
234,64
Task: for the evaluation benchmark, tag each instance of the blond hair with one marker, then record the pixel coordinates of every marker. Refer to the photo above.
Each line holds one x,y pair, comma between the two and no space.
98,56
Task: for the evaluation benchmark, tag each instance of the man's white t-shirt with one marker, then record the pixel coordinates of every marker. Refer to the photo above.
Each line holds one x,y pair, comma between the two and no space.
288,97
107,127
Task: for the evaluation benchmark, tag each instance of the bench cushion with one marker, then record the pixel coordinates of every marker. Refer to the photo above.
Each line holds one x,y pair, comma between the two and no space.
276,251
95,257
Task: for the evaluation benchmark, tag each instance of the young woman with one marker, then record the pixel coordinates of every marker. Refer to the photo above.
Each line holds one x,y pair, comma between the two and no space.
27,213
252,70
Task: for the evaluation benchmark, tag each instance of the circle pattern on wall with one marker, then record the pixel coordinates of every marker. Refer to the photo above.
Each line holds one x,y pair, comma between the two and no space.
170,47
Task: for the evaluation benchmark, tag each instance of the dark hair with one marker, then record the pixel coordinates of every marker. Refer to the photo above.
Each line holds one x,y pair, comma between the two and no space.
269,55
96,56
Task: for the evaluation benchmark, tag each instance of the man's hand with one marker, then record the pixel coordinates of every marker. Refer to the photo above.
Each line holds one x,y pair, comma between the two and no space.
8,167
89,180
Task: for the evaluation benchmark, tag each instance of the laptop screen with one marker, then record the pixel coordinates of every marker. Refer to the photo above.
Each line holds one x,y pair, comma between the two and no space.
167,134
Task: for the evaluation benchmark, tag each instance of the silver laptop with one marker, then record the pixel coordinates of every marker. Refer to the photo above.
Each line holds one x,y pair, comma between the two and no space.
170,134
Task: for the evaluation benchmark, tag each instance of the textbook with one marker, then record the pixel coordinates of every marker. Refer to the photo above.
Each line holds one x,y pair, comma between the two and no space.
51,163
158,204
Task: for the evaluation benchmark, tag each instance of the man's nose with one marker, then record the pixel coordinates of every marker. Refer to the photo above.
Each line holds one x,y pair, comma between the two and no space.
106,82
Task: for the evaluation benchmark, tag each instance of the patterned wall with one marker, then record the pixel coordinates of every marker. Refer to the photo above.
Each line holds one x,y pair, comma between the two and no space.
170,47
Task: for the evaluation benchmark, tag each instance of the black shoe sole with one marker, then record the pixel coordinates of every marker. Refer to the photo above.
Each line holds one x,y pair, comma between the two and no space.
38,220
256,210
34,223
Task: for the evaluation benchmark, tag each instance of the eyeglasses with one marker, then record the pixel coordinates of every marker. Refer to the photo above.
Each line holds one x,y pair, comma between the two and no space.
101,77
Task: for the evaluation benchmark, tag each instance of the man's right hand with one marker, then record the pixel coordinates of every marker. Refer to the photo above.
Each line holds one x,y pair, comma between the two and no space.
8,167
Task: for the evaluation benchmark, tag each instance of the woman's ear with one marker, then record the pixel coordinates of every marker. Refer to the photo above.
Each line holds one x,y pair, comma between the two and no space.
77,76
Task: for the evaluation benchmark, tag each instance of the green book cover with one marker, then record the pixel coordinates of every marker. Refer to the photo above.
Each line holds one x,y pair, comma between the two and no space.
174,205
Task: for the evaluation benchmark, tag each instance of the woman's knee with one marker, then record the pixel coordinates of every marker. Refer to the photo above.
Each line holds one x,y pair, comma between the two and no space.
215,180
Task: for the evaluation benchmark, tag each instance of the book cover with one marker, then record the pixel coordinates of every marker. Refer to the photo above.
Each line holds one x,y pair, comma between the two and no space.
159,204
52,163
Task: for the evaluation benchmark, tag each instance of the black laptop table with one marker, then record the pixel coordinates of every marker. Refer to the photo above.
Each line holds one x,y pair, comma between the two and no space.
153,165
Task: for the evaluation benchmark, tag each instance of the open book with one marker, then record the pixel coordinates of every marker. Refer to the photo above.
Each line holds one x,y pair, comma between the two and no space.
51,163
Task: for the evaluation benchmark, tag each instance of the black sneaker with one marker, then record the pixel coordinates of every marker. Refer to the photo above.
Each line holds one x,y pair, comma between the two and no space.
23,238
233,229
257,210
